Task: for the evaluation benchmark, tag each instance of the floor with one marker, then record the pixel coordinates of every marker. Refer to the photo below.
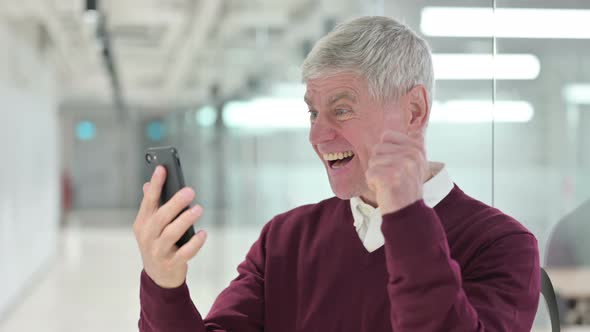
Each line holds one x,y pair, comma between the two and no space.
92,285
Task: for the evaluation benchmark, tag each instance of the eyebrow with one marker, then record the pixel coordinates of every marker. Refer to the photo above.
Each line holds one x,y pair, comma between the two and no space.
342,95
335,98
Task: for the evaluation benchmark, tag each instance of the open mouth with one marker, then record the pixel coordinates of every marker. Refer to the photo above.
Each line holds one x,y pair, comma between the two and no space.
338,159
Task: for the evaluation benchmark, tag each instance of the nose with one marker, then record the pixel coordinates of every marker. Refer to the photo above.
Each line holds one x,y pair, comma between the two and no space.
320,132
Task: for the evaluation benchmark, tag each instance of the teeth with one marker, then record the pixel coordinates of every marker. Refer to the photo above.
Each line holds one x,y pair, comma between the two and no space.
337,155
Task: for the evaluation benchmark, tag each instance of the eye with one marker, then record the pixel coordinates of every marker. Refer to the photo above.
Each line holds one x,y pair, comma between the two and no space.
313,115
342,112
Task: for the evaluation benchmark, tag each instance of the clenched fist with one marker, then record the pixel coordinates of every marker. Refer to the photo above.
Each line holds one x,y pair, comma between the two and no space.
156,232
397,170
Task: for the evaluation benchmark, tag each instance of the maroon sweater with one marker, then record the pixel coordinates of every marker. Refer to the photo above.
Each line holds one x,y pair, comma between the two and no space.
462,266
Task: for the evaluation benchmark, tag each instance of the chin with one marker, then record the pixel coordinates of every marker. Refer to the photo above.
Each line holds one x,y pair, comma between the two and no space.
343,191
347,186
343,196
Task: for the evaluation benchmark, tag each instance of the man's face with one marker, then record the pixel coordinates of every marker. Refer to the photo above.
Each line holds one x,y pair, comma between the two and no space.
346,122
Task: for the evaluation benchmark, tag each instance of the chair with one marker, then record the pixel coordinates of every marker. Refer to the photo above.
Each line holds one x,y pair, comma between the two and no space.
549,294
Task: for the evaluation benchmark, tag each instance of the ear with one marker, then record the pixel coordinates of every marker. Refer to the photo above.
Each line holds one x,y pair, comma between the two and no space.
418,109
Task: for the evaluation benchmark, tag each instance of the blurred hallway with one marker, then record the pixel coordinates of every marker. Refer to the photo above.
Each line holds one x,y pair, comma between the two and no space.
87,86
92,284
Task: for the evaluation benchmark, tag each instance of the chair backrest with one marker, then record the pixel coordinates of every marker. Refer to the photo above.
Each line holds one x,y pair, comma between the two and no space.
549,294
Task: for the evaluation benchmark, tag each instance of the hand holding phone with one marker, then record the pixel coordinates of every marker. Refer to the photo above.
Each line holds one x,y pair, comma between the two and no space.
168,158
164,224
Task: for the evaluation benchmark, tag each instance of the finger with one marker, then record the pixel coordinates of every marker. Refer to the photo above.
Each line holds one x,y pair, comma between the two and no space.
192,247
171,209
396,149
382,160
144,189
151,201
174,230
387,148
372,176
143,213
392,136
401,139
398,160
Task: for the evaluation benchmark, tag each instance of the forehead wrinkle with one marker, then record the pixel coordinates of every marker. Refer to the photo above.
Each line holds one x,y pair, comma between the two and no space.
349,83
342,95
351,96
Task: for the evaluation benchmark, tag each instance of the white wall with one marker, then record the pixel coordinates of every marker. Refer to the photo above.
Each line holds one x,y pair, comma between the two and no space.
105,171
29,159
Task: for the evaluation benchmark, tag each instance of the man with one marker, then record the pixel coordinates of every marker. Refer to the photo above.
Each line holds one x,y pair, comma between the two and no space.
400,247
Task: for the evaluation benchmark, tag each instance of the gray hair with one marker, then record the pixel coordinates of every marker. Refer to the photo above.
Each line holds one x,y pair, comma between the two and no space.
389,55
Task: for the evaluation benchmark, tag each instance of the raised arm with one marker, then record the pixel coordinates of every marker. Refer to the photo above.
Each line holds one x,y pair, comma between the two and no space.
429,292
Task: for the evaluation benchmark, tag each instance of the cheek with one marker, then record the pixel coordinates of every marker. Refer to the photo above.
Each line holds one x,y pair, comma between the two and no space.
315,149
363,153
364,157
360,142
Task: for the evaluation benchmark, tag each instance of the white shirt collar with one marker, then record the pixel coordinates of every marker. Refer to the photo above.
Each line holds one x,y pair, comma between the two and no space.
367,219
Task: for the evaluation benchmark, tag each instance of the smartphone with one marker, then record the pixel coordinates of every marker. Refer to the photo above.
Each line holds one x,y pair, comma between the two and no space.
168,157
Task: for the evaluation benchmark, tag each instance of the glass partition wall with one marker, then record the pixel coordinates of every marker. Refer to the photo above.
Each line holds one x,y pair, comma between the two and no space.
541,166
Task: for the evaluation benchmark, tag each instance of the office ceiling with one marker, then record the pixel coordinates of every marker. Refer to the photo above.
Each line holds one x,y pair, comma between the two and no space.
170,54
174,53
